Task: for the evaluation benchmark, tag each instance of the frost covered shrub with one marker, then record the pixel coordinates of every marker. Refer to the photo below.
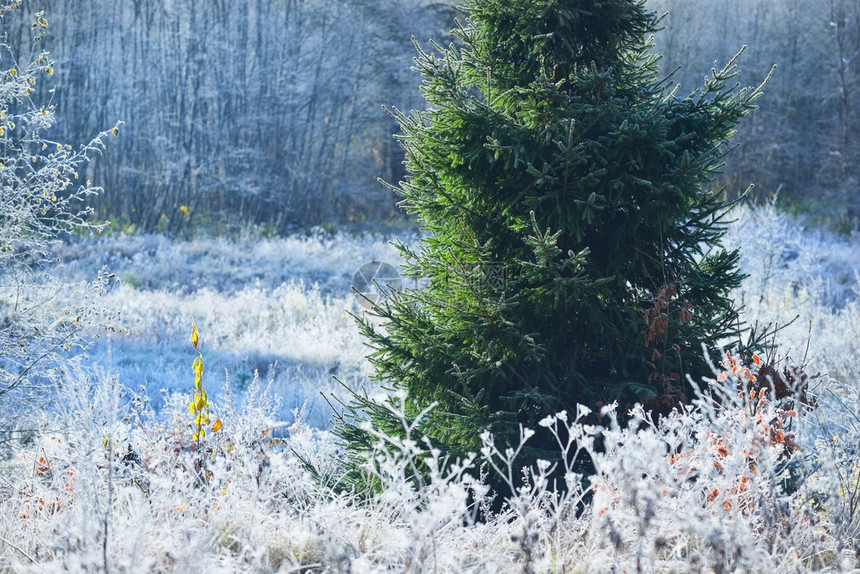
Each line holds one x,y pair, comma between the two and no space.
41,196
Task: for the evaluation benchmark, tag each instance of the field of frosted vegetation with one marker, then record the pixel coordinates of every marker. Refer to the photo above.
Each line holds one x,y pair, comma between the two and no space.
278,307
112,480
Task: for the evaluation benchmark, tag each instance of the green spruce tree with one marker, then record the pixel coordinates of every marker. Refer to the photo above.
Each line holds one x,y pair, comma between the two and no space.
572,251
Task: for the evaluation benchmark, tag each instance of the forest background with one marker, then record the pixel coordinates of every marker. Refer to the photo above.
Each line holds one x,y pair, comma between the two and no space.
269,113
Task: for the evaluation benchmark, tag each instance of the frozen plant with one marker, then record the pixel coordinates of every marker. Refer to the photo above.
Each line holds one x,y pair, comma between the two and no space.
41,197
744,479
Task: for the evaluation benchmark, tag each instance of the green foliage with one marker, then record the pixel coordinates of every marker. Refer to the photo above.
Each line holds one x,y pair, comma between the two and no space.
573,251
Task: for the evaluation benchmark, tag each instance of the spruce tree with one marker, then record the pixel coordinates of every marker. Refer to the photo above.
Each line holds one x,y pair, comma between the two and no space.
572,250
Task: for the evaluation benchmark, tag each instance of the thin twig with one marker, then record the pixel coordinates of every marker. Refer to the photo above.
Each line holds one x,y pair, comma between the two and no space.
27,556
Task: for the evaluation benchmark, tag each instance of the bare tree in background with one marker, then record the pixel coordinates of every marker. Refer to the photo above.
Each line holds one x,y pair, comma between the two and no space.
239,112
270,112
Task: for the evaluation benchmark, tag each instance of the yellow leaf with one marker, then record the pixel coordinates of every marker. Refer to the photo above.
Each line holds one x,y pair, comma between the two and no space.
217,426
201,402
195,335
